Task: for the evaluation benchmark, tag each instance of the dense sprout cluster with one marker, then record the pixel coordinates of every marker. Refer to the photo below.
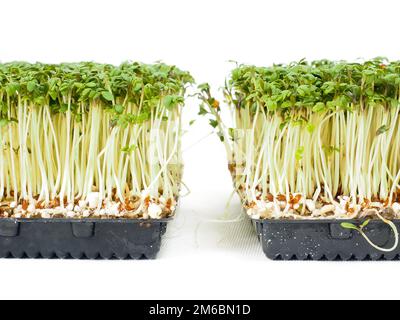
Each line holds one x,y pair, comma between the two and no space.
318,86
313,140
90,139
67,86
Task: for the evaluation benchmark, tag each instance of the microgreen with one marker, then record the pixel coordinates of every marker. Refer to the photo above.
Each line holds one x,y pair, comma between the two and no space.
72,128
322,129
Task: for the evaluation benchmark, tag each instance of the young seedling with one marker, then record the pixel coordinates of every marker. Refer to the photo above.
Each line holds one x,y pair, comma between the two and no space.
361,228
90,140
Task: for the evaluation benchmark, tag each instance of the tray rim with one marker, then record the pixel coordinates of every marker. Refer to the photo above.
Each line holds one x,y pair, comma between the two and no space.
318,221
86,220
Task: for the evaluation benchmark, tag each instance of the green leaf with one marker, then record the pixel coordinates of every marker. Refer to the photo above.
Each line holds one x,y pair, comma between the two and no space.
203,111
94,94
137,87
365,223
347,225
319,107
311,128
303,90
214,123
192,122
232,133
329,87
12,88
78,117
107,95
53,94
368,73
271,105
286,105
86,92
284,124
31,86
382,130
4,122
299,153
40,101
64,108
171,102
144,116
204,87
299,122
119,108
330,149
129,149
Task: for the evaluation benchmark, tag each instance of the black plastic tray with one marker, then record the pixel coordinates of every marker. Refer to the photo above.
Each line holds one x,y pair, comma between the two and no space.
81,239
324,240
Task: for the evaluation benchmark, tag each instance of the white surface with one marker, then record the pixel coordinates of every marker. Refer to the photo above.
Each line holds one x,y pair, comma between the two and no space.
199,259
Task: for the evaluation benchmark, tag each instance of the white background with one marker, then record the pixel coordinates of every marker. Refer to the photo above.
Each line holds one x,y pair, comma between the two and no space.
200,258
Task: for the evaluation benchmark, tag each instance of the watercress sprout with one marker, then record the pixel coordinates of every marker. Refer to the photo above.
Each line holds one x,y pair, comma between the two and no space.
82,139
317,140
